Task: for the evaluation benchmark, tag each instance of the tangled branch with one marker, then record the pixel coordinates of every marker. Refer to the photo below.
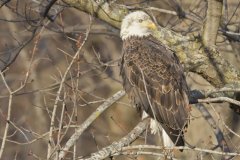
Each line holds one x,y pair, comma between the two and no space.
196,58
89,121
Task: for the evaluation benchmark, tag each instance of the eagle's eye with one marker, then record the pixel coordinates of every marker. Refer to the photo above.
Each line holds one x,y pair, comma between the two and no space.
140,20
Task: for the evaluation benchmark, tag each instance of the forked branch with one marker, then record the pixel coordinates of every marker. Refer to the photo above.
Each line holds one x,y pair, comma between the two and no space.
196,58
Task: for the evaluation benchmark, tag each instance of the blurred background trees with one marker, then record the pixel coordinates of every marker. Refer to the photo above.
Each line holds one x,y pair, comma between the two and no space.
59,64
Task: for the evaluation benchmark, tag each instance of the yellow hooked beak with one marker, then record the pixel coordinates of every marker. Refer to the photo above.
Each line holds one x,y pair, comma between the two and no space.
149,24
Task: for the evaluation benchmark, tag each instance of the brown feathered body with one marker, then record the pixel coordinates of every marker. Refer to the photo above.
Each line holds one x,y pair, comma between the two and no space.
154,80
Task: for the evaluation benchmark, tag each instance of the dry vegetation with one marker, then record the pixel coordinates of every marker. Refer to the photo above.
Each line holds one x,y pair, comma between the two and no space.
59,65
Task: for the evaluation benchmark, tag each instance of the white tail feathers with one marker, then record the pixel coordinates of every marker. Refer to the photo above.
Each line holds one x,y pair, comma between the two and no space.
155,128
167,142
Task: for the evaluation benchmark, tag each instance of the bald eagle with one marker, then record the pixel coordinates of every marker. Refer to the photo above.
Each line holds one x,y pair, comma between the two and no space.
153,78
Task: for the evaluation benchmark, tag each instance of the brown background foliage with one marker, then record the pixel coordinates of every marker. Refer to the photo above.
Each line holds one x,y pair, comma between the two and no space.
93,78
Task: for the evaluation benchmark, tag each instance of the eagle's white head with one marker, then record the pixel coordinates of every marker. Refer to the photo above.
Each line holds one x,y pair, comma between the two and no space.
138,24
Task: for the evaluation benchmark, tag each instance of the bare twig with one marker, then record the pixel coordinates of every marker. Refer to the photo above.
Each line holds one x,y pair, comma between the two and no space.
218,133
8,114
116,147
48,7
4,2
153,153
225,125
10,99
232,35
188,16
219,99
142,147
224,89
61,124
39,137
51,142
128,151
89,120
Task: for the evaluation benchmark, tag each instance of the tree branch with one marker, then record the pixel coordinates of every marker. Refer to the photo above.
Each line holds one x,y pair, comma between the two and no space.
112,14
195,57
214,96
57,99
10,101
217,131
89,121
153,153
116,147
218,100
210,30
143,147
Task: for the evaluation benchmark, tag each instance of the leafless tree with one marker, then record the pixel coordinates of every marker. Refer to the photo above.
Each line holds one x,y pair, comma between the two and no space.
61,95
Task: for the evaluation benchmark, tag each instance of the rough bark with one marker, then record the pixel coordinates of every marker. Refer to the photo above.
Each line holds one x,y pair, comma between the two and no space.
116,147
191,52
101,9
212,22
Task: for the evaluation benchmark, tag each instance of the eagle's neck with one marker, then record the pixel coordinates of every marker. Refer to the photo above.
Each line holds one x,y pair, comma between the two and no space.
133,41
134,31
136,35
133,46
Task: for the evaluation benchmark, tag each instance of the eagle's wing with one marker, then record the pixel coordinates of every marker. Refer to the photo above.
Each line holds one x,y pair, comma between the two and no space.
155,82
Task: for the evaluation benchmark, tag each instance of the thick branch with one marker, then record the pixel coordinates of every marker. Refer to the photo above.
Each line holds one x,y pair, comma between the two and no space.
210,30
89,121
116,147
195,57
101,9
214,96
